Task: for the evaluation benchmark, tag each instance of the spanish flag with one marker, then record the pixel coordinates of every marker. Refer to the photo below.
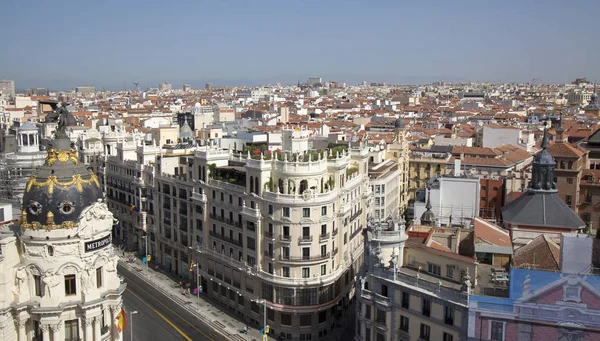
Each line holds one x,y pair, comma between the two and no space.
121,320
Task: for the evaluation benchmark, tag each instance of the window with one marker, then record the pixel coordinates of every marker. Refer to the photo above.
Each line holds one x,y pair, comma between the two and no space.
405,300
381,317
37,279
384,290
367,334
305,320
99,277
426,307
323,316
323,229
305,272
368,312
286,212
323,250
285,252
570,181
323,210
270,209
72,330
403,323
496,331
286,319
495,189
450,271
448,337
483,188
286,231
448,315
306,212
306,253
323,269
572,293
425,331
306,231
70,288
251,243
569,200
285,271
433,269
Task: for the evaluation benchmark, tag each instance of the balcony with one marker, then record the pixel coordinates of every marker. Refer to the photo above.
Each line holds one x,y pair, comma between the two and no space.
304,258
270,254
285,239
403,335
356,232
335,232
305,240
226,239
335,251
383,300
269,235
356,214
323,237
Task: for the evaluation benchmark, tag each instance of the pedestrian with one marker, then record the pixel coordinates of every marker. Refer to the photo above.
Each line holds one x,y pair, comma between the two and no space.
180,284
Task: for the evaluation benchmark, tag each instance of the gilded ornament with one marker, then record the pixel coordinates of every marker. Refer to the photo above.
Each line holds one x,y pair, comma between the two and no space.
53,181
62,156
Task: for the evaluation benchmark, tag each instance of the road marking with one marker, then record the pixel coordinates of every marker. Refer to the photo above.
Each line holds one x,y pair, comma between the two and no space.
162,316
169,309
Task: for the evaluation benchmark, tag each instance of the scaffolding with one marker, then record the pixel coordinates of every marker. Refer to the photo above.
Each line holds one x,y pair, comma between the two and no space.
15,169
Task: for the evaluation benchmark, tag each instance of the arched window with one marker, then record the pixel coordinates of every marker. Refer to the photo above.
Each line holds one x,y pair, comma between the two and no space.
303,186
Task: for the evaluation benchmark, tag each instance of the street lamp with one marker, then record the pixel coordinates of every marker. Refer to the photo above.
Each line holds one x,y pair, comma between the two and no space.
131,313
146,250
198,286
264,302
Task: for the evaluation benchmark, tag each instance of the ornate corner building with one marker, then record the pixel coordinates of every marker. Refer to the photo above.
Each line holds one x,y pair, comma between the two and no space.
278,232
58,271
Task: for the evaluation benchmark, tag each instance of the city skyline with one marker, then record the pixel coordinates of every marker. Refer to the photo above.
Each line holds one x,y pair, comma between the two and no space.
236,43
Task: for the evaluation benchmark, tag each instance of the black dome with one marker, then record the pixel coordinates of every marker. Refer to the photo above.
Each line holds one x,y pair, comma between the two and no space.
399,123
58,192
544,158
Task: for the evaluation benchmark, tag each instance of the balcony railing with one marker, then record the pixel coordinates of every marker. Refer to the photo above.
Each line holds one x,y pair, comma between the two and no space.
304,239
268,234
226,239
284,238
269,254
335,232
335,251
304,258
323,237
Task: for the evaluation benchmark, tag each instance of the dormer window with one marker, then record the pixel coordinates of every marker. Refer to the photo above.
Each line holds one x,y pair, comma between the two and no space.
572,293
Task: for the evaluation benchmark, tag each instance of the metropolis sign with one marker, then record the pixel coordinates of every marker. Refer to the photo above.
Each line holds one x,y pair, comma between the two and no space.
98,243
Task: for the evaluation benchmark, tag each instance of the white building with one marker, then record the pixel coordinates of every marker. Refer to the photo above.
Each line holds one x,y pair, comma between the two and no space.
7,88
494,136
58,275
454,200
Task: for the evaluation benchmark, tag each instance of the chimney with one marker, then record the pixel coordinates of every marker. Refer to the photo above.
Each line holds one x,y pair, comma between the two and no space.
457,171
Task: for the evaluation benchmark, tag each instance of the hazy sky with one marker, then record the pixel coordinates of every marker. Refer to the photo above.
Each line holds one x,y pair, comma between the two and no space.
61,44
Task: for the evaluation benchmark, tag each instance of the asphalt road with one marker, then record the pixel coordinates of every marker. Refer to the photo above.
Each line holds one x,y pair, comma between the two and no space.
158,317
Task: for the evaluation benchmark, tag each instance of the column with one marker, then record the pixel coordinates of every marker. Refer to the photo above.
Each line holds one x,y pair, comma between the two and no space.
88,328
45,332
21,330
58,332
97,328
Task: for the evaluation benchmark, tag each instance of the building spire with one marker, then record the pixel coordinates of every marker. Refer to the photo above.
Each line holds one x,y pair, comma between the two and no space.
428,205
545,140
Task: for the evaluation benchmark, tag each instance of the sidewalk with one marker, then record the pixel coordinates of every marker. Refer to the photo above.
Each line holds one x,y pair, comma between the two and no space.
225,325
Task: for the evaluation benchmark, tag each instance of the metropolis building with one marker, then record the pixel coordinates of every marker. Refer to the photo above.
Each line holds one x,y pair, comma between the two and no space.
58,276
277,232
